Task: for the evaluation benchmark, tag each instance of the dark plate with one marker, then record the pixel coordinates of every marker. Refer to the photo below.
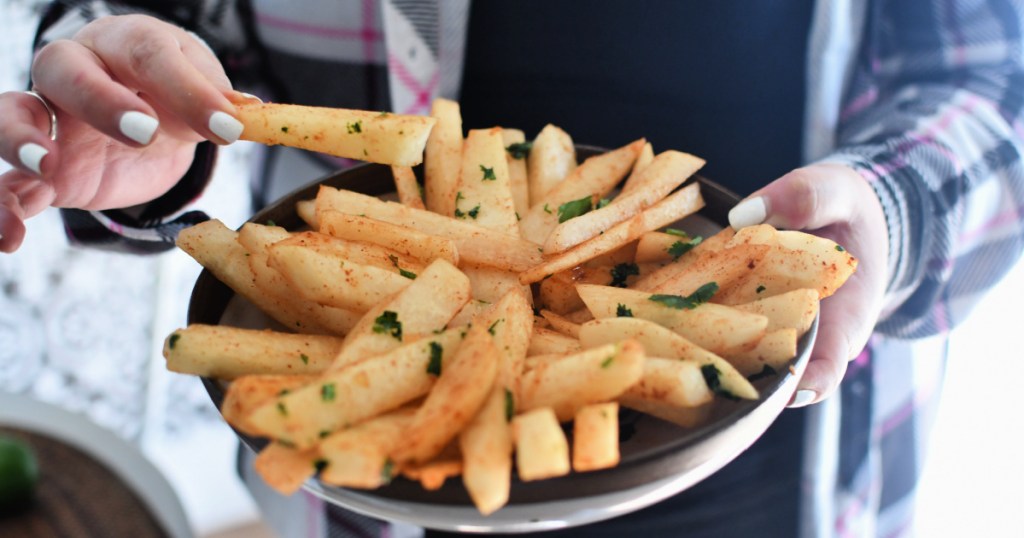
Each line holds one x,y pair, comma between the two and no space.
659,459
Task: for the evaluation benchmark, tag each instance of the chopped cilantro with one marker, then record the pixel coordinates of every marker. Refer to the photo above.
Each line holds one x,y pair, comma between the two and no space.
472,213
434,366
282,409
510,405
575,208
679,248
173,340
676,232
304,358
488,173
761,288
270,222
603,202
607,362
283,392
695,299
387,471
383,114
712,378
767,371
623,311
547,209
407,274
387,323
621,272
519,150
494,325
840,248
327,392
354,128
284,129
286,443
324,433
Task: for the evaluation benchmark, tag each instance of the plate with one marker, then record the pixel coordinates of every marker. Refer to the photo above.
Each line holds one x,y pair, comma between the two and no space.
79,459
659,459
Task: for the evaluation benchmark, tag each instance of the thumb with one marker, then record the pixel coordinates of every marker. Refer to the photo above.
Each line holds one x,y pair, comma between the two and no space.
805,199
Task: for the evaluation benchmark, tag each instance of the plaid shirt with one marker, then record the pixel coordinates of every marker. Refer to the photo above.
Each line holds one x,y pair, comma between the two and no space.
924,99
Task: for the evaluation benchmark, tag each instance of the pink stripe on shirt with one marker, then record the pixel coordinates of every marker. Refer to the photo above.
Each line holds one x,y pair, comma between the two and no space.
366,33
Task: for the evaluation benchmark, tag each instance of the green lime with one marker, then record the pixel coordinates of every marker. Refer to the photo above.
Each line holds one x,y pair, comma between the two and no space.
19,472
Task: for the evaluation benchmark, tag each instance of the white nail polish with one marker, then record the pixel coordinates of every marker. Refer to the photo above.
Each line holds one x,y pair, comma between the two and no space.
31,155
748,212
251,96
803,397
138,126
225,127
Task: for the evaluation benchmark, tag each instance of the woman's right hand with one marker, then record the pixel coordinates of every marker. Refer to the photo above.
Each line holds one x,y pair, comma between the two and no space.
133,96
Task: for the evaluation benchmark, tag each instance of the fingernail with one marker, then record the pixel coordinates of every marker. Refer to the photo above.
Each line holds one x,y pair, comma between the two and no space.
225,127
803,397
31,155
748,212
250,96
138,126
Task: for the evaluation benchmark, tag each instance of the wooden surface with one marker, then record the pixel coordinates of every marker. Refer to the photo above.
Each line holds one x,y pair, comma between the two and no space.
76,496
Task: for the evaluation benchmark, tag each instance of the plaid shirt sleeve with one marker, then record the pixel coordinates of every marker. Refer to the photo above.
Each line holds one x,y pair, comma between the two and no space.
933,119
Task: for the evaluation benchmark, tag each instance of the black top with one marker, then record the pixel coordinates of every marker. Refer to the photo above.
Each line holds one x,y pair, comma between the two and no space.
721,79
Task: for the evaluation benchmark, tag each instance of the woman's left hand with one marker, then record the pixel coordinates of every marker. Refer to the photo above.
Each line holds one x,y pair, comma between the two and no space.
832,201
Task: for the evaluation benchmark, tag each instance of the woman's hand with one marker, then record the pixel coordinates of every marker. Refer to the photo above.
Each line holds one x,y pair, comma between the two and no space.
133,96
833,201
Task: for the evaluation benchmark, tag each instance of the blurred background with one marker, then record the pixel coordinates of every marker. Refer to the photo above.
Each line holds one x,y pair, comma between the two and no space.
83,330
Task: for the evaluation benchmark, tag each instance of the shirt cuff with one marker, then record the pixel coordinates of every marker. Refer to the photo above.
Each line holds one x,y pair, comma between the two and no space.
899,188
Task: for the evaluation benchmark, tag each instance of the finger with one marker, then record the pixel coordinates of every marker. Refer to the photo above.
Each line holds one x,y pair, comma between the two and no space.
833,349
24,134
804,199
159,60
821,378
76,82
845,325
12,229
22,196
199,53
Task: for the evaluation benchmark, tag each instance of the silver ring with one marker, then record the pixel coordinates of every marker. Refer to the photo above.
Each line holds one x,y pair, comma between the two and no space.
49,110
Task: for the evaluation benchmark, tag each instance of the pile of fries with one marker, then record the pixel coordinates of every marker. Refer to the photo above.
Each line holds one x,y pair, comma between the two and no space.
474,327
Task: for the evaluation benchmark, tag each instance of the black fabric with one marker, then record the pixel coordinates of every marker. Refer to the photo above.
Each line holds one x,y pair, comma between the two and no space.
723,80
858,396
